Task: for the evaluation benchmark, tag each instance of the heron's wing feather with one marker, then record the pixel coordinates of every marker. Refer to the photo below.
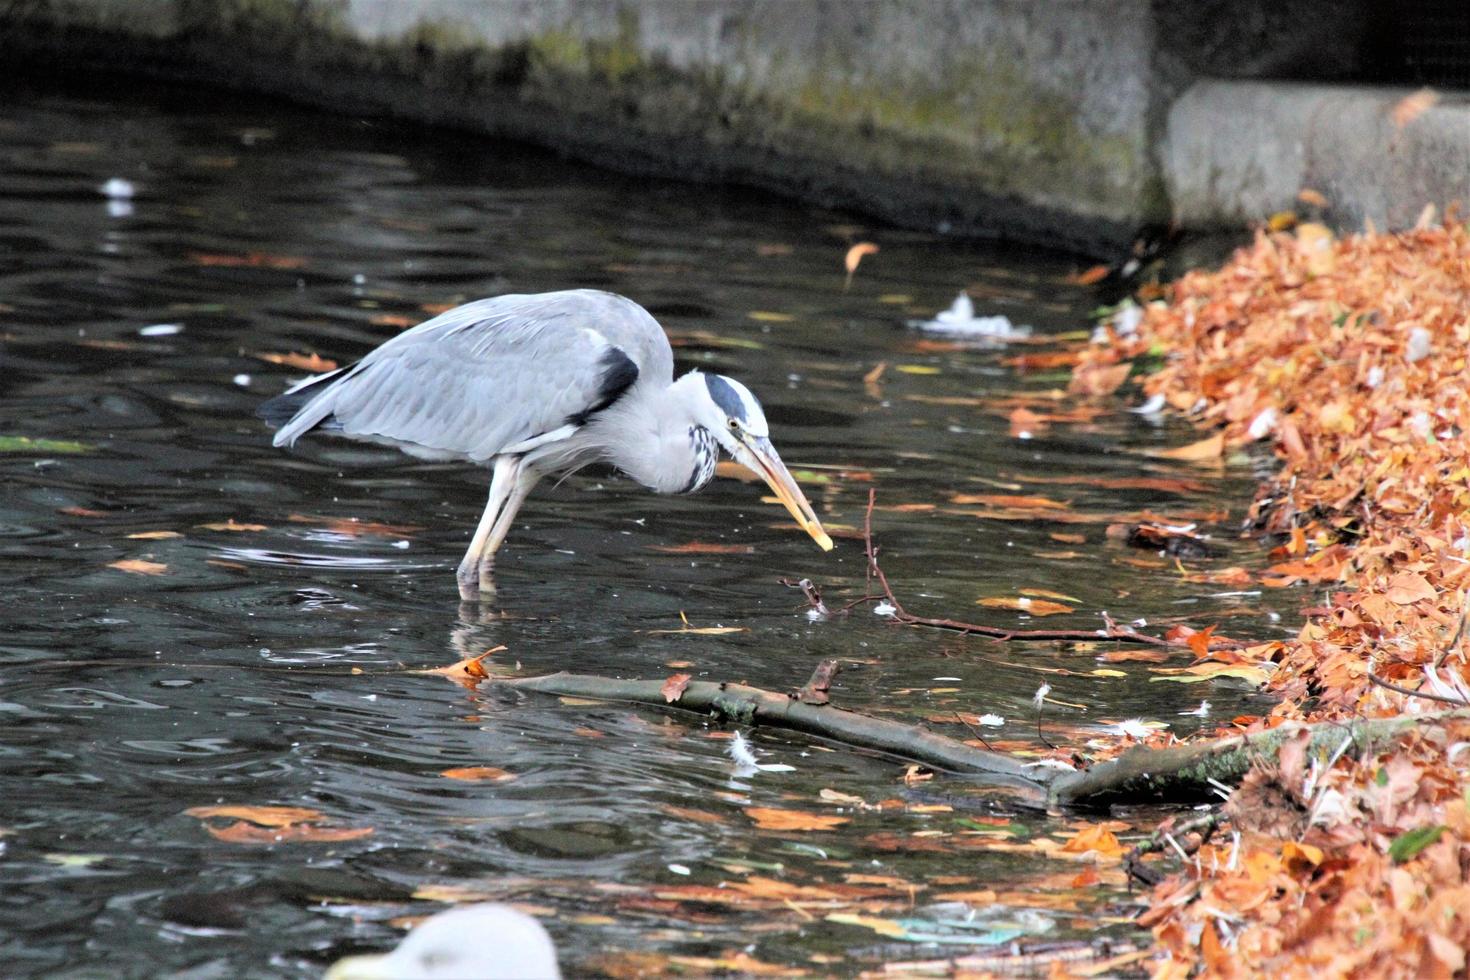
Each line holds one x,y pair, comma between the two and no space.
493,374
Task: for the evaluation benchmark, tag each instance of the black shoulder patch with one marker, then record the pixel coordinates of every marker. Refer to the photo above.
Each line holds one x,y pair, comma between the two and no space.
618,374
724,396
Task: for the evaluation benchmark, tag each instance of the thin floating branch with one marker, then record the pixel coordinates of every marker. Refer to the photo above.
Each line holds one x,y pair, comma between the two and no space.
1111,632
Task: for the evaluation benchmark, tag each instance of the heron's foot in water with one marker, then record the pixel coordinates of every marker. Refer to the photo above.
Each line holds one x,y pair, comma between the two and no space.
476,581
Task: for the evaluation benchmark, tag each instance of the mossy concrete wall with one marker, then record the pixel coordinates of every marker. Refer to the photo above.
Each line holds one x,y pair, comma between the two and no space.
1055,122
998,117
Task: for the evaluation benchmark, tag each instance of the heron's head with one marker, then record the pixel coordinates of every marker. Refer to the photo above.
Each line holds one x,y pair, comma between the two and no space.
730,412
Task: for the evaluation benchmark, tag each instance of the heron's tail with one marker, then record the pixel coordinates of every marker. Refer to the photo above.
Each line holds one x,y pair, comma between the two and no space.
301,408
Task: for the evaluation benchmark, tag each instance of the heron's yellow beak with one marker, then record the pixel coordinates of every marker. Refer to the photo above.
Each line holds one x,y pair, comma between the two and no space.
761,456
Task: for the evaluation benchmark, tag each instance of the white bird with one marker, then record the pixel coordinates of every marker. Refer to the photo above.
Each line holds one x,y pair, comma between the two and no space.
537,384
475,942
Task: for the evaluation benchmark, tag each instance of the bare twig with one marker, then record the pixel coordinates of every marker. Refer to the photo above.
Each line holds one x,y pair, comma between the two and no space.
1205,825
813,594
973,730
1426,695
1111,632
815,691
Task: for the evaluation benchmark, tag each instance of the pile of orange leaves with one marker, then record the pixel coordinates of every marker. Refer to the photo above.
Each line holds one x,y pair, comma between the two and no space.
1348,356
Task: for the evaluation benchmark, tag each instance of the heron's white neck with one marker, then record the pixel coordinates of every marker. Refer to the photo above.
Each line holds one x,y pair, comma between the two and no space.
650,437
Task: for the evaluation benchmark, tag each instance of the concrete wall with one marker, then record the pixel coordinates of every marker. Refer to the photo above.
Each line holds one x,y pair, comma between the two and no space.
1235,152
1051,122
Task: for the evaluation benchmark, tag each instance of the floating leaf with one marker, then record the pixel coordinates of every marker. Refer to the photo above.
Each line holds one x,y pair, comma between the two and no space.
1049,594
1206,449
476,774
250,260
1098,379
700,631
265,816
1094,838
314,363
468,672
1205,672
25,444
154,535
305,833
1089,276
769,818
353,527
705,548
1009,500
1025,604
767,316
138,566
854,257
231,525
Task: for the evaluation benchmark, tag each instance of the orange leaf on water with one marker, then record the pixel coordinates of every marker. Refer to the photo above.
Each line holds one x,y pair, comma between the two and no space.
1086,879
479,774
853,257
1025,604
81,512
731,470
138,566
1090,275
314,363
673,688
1098,379
1199,641
1026,423
468,672
304,833
1008,500
705,548
770,818
231,525
353,527
155,535
250,260
265,816
1095,838
1205,449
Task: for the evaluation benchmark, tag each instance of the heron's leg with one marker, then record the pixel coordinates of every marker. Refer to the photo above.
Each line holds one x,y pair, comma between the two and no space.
526,478
503,482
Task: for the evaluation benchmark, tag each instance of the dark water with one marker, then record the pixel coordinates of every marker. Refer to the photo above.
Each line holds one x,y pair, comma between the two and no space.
267,667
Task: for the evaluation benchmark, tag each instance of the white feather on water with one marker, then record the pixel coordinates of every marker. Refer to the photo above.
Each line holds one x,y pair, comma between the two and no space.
960,320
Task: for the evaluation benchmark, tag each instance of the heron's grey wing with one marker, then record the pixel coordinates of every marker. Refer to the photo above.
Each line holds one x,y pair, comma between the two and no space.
491,375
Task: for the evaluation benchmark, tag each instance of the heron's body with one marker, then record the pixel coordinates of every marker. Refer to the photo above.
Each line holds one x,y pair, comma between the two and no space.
538,384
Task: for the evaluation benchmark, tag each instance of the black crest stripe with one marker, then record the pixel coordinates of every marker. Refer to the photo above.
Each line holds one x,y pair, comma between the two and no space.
725,396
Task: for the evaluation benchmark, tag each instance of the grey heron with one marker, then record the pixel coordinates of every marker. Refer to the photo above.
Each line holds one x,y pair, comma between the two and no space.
536,384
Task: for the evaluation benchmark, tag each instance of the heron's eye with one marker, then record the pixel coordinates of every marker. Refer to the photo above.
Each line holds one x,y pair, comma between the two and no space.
734,425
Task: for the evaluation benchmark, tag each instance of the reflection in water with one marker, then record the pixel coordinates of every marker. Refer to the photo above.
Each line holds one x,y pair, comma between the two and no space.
256,646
